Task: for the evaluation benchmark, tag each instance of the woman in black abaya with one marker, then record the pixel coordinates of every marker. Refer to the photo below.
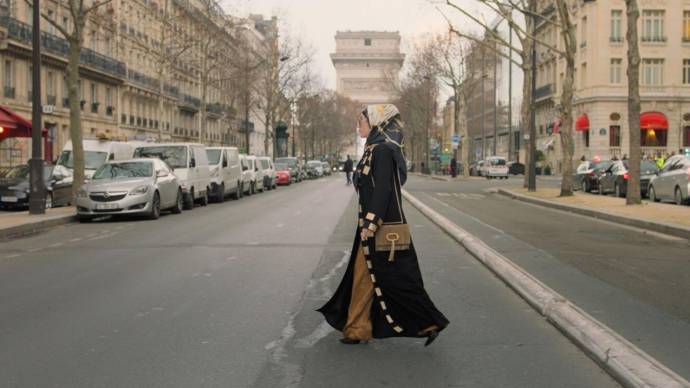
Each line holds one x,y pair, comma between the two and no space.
382,294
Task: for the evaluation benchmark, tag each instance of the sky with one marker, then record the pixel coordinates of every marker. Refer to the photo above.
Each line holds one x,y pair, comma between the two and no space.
316,21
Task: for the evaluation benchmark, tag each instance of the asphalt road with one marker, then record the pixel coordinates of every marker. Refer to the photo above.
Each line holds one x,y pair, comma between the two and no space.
224,296
635,281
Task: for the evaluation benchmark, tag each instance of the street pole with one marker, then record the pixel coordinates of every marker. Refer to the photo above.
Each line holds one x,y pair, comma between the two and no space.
482,105
495,100
247,97
532,181
37,189
510,91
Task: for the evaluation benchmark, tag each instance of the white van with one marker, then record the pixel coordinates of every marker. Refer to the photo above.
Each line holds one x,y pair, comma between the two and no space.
257,180
495,167
267,172
247,175
225,172
96,153
190,164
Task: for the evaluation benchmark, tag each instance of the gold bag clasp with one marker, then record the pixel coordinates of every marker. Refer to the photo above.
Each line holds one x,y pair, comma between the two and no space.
392,237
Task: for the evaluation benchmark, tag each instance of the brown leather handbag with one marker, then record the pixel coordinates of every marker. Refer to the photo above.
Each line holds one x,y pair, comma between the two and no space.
392,236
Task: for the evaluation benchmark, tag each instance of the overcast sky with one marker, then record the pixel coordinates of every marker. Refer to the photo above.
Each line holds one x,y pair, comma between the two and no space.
316,21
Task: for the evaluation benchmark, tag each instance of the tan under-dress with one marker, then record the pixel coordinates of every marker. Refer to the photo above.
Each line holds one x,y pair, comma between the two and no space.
358,324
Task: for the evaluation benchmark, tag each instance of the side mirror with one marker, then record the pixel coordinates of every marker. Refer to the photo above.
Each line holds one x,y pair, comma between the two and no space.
225,163
245,168
161,174
192,163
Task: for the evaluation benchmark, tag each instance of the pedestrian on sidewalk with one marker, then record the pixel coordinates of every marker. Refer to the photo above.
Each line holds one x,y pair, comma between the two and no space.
382,293
348,170
454,167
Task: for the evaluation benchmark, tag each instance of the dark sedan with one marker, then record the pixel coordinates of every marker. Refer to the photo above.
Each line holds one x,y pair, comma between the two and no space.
615,178
14,188
516,168
586,177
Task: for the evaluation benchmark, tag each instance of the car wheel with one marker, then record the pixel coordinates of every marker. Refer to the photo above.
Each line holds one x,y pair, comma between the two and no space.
221,193
238,193
177,209
652,194
155,212
189,201
49,200
587,187
679,197
601,189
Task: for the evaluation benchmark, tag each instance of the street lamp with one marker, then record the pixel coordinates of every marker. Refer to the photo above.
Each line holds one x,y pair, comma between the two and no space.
37,187
428,125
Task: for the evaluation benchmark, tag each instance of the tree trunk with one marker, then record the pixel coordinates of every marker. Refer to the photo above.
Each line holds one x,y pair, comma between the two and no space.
526,108
75,112
633,195
566,109
459,111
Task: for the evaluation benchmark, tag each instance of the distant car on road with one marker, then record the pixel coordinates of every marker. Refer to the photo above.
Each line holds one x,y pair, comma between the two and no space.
314,169
130,187
516,168
673,181
247,187
586,177
476,167
267,172
283,174
615,178
495,167
14,188
326,168
225,172
295,167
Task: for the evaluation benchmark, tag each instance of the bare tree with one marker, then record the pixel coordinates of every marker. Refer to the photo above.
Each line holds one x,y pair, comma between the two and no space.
80,14
633,195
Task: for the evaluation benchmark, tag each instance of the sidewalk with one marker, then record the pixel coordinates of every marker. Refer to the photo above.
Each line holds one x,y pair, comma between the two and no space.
15,224
658,217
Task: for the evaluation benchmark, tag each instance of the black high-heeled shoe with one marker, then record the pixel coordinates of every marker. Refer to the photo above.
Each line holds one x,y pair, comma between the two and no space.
430,337
350,341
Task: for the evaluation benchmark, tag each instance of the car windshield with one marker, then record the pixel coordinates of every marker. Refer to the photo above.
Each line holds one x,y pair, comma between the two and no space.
124,170
288,161
645,165
174,156
19,172
92,159
498,162
213,156
281,166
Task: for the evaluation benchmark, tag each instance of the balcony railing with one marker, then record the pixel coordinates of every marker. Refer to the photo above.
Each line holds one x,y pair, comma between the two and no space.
215,108
190,101
616,39
653,39
543,91
142,79
53,44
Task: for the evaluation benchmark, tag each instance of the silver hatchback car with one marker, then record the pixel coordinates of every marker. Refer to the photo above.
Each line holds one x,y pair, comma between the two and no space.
673,181
136,186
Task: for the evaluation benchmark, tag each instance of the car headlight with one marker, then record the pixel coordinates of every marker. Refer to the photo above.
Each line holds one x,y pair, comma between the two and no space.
139,190
82,193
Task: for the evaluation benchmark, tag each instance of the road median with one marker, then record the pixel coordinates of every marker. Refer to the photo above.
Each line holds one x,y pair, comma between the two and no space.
662,218
631,366
18,224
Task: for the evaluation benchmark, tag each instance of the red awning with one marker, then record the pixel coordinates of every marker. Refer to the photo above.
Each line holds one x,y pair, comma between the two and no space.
582,123
555,127
14,125
653,120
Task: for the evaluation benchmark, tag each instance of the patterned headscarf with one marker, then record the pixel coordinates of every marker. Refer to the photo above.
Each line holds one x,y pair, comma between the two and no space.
386,127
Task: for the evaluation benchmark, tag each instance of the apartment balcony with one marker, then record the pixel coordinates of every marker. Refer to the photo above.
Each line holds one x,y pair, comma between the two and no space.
189,103
653,39
215,108
52,44
171,90
543,92
142,80
51,100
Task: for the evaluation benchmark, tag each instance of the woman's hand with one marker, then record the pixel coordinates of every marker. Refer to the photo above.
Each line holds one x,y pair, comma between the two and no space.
365,234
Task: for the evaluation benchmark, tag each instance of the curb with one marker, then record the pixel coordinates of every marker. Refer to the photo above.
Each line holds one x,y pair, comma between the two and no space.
35,226
629,365
655,226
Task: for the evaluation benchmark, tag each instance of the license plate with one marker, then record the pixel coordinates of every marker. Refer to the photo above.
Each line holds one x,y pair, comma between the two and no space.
106,206
9,199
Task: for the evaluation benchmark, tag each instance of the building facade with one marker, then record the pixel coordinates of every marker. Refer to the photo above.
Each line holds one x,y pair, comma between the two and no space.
600,103
149,69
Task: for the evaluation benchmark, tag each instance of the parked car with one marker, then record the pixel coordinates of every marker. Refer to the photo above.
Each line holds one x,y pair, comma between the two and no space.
225,172
615,178
516,168
586,177
326,168
14,188
294,165
130,187
476,167
673,181
267,172
495,167
283,174
247,175
190,164
96,153
314,169
257,177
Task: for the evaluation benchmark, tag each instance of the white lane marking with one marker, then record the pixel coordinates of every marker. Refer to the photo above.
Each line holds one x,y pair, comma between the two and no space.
467,215
103,236
12,255
253,243
34,249
75,239
280,225
443,194
56,245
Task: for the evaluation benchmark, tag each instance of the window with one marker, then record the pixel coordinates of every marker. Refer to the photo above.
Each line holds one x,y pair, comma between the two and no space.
686,137
686,71
94,93
51,15
616,70
108,97
583,32
29,84
653,137
653,26
93,40
652,72
8,80
686,26
367,41
65,23
616,25
615,136
50,88
585,138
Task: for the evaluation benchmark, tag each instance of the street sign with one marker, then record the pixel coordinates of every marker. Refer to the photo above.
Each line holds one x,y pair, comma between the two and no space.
526,137
48,109
456,141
